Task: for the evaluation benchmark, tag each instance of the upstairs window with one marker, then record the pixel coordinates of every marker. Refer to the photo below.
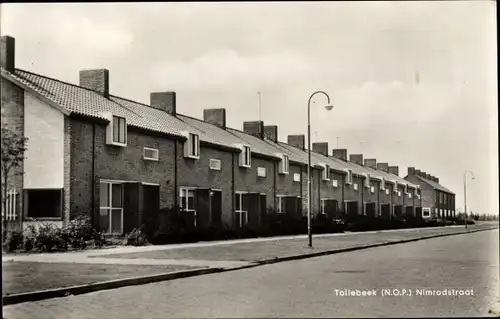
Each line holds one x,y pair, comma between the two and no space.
367,181
285,166
326,172
348,179
192,146
119,130
382,184
245,156
116,131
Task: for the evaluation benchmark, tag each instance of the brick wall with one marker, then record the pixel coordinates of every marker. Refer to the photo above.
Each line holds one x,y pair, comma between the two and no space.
117,163
197,173
350,194
12,117
285,184
427,192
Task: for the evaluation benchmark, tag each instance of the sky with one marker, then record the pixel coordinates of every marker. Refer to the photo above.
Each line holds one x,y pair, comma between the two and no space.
412,83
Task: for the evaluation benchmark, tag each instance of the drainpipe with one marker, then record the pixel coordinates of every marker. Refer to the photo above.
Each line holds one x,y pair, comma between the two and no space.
274,185
175,174
93,219
233,188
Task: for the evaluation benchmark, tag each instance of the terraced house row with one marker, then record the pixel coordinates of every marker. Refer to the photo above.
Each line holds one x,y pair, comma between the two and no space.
120,161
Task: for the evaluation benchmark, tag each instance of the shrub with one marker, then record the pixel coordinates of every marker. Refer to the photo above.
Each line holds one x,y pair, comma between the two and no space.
30,238
15,240
50,238
136,237
78,232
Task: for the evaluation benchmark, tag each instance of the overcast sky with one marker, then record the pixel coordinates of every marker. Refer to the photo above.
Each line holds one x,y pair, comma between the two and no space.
413,83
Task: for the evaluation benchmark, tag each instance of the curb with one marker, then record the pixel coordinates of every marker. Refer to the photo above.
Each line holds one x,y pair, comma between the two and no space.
104,285
118,283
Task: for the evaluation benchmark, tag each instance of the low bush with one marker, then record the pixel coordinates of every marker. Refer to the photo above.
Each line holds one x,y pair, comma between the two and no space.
50,238
136,237
14,240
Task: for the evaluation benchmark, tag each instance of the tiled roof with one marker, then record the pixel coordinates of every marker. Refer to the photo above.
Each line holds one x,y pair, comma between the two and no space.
435,185
256,144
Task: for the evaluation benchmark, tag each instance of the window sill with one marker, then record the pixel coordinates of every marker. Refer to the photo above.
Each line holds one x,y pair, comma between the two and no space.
150,159
41,219
192,157
117,144
245,166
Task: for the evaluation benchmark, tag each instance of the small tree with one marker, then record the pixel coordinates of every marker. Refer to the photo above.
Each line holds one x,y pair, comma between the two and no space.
13,148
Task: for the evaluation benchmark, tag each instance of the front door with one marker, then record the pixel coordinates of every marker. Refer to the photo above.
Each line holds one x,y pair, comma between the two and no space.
216,207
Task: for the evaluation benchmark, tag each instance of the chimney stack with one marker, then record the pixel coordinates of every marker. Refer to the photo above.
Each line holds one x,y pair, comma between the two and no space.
340,153
298,141
95,80
371,162
165,101
215,116
418,172
437,179
320,147
411,171
8,53
394,170
356,158
383,167
271,132
255,128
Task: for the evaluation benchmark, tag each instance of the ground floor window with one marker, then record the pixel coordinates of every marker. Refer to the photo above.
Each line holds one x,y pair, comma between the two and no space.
43,203
280,203
111,207
241,210
323,206
426,212
187,202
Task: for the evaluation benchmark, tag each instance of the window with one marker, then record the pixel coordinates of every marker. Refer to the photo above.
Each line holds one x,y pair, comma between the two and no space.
215,164
355,187
150,154
326,172
280,203
192,146
395,187
372,189
116,131
409,195
387,191
296,177
382,184
245,156
418,196
285,166
323,205
367,180
261,171
335,183
426,212
187,202
43,203
399,193
241,210
111,207
348,179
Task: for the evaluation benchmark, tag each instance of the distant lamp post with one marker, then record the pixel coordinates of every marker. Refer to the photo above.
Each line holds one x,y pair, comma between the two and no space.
465,193
328,107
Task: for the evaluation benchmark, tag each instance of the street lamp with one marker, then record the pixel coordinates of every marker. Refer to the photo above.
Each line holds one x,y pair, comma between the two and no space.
328,107
465,193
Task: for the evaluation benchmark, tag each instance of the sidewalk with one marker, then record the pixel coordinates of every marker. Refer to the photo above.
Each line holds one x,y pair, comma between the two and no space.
116,266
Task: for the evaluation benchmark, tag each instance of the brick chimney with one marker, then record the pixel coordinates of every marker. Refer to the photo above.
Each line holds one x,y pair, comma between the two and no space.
95,80
255,128
423,174
383,167
298,141
418,172
437,179
411,171
271,132
356,158
394,170
215,116
340,153
8,53
165,101
371,162
320,147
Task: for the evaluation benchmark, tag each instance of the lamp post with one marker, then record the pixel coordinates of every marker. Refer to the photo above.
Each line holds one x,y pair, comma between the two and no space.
328,107
465,193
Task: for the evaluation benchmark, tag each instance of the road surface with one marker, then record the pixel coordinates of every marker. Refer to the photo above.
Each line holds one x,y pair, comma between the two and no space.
468,263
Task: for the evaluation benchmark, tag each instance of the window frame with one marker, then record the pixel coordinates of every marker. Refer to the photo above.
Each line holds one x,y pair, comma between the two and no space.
155,159
280,204
239,209
110,208
26,201
326,172
182,198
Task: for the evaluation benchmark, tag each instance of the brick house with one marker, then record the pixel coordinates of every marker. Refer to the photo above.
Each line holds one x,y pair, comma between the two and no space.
120,161
437,200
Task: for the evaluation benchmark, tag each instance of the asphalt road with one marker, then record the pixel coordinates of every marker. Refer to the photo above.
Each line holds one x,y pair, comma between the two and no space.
309,288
